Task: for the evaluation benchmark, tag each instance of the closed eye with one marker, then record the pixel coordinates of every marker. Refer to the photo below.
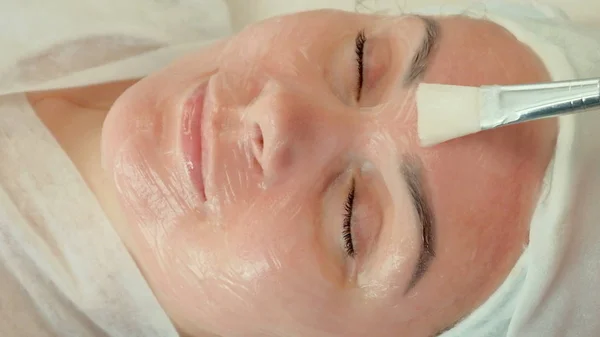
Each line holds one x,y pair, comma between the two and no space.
360,41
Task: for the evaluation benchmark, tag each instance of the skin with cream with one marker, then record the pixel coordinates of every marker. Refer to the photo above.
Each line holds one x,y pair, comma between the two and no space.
231,176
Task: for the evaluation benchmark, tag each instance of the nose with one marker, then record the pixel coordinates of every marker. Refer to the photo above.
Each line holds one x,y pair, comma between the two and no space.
290,132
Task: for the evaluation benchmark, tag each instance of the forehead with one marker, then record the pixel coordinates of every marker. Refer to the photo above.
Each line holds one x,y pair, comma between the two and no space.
476,52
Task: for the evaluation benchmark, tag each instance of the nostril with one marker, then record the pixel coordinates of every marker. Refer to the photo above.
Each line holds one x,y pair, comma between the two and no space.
258,144
257,139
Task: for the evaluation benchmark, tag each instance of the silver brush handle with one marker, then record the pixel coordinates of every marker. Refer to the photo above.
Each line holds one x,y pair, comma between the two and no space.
522,103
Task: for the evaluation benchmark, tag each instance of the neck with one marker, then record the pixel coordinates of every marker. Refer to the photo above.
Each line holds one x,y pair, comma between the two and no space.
75,118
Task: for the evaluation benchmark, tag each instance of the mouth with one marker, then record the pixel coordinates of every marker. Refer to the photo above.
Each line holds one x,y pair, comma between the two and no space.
193,141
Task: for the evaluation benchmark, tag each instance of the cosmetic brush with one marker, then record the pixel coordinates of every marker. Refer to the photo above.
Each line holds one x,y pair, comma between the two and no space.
446,112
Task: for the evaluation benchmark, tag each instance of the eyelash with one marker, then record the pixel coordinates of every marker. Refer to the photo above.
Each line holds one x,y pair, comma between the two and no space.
347,225
360,41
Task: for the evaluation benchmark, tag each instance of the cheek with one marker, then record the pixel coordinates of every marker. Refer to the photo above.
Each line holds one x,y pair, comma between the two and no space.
246,274
151,204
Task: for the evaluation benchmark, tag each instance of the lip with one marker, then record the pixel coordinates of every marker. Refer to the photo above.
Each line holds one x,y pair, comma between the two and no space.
193,140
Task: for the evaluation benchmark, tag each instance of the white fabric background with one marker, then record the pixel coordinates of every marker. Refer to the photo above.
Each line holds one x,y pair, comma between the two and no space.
246,11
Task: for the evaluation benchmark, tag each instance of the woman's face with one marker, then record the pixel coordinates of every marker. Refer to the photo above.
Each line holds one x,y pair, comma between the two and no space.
273,184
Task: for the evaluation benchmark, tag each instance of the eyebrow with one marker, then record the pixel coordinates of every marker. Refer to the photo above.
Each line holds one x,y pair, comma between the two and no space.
412,172
421,59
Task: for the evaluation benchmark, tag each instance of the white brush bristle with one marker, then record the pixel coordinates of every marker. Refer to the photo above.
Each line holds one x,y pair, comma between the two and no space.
447,112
